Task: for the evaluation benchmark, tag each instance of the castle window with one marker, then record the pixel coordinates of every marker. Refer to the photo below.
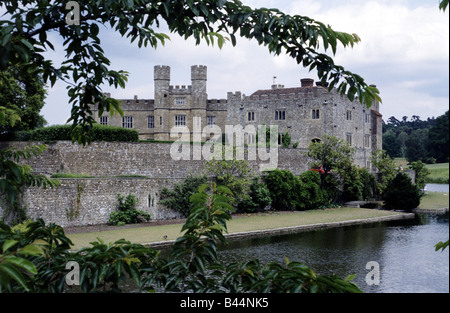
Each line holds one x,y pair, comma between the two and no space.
251,116
280,115
349,115
103,120
349,138
150,121
367,118
160,120
250,138
211,121
180,120
127,122
315,114
367,141
179,100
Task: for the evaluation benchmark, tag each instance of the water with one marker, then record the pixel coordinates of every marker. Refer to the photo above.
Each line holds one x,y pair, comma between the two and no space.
437,187
404,251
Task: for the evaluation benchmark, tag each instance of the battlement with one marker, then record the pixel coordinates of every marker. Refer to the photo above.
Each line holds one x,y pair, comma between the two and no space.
162,72
199,72
183,90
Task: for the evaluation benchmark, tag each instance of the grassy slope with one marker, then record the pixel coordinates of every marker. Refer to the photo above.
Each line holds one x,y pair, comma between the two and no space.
438,172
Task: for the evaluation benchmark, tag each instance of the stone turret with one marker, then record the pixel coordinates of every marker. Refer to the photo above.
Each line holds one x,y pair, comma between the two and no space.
162,84
162,104
199,78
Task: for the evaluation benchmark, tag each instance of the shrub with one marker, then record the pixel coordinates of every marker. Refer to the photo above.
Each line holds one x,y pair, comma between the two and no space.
402,194
422,173
352,185
310,195
127,212
286,141
63,132
368,184
259,197
178,198
283,186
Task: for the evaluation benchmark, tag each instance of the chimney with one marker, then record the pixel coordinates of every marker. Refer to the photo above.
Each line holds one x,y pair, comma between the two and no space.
307,82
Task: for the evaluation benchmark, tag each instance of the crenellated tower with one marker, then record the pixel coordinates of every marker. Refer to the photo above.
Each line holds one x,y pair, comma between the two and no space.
162,101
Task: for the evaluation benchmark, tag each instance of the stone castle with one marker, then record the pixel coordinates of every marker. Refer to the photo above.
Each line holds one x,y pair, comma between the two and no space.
307,112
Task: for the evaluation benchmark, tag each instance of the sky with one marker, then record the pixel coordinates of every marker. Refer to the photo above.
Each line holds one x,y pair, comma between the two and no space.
404,51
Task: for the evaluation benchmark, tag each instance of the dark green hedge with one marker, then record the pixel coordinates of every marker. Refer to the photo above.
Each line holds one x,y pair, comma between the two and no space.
62,132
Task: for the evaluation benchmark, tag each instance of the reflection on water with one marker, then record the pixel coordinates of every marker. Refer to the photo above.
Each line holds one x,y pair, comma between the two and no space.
404,250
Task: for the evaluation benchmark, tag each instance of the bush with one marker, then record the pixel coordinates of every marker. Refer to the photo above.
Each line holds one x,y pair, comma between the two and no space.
368,184
283,186
63,132
311,196
402,194
127,213
178,198
289,192
259,198
353,185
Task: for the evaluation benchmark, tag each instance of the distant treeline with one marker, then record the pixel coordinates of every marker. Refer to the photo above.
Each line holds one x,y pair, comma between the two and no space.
416,139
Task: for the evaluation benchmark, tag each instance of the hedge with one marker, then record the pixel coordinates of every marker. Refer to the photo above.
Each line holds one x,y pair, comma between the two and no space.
62,132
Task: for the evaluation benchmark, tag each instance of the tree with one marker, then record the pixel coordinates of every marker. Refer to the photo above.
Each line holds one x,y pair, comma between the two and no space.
334,157
438,139
283,187
386,168
421,173
178,198
234,174
391,144
24,39
24,93
402,194
416,146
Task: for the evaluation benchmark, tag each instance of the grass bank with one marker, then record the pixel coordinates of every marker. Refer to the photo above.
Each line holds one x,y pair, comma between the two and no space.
434,201
439,172
239,224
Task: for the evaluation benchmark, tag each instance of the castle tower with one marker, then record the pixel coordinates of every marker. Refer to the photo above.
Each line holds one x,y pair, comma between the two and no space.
162,105
198,78
199,97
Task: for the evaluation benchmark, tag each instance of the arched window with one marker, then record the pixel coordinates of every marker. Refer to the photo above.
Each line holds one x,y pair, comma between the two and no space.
316,140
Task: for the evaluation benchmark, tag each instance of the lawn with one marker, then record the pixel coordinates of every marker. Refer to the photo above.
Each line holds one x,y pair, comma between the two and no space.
439,172
251,222
434,200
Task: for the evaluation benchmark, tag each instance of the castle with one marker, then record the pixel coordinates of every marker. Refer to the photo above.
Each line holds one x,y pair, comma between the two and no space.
307,113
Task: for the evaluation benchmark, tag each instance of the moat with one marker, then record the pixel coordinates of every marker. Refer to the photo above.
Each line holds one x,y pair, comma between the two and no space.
404,251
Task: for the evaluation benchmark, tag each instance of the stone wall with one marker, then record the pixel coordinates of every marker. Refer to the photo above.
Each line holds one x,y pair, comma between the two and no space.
79,202
87,201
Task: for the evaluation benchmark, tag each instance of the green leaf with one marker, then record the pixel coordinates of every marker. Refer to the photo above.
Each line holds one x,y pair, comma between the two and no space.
12,272
21,263
8,244
31,249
